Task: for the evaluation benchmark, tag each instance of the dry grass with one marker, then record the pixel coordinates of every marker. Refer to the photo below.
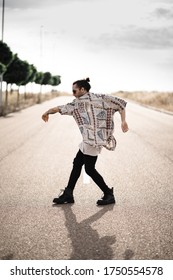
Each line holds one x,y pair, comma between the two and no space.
160,100
26,101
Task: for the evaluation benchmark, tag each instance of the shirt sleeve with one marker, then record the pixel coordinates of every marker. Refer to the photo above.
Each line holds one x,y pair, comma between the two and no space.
115,103
67,109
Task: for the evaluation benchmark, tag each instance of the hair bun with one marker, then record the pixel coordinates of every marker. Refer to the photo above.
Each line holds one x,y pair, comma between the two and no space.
87,79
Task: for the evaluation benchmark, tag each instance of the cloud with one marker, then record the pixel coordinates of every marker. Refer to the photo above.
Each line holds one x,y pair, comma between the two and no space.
136,37
162,1
155,38
26,4
164,13
20,4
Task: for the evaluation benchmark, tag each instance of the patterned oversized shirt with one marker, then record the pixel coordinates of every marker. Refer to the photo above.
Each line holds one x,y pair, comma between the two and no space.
94,115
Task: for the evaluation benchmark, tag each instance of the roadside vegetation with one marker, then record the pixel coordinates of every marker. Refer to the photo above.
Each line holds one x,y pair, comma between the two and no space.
158,100
14,71
27,100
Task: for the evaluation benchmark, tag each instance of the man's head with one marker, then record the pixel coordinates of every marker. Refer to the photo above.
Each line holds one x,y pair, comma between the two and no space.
81,87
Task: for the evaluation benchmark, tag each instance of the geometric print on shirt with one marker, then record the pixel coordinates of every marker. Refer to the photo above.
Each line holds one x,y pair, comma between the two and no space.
93,114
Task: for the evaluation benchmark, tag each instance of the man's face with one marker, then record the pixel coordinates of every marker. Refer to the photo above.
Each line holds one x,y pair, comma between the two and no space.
77,92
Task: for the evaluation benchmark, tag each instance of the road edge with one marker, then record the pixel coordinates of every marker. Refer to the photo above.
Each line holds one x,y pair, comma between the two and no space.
150,107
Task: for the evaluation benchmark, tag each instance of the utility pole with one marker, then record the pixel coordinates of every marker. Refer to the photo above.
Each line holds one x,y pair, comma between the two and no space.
2,38
41,59
3,12
41,46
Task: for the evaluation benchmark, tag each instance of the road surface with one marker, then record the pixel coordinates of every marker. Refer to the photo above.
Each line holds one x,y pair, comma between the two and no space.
35,163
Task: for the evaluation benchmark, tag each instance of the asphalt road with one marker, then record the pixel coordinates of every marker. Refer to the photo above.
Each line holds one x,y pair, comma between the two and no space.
35,163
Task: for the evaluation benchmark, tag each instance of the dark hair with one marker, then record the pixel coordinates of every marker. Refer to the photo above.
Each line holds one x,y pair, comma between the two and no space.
83,83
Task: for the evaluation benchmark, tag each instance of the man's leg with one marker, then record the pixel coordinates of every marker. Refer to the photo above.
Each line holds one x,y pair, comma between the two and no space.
90,162
76,171
67,196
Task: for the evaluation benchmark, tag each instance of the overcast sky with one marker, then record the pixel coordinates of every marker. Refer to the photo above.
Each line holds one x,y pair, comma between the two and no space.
119,44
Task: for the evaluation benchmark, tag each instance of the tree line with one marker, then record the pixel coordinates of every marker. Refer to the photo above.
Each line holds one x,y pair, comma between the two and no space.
13,70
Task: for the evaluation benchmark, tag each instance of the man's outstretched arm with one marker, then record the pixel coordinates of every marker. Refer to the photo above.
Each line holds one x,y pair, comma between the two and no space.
54,110
124,125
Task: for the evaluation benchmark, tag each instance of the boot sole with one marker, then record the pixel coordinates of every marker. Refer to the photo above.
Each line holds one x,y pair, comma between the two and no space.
62,202
102,202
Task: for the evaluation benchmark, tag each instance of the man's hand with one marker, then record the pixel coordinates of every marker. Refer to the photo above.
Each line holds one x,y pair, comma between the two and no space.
54,110
45,117
124,126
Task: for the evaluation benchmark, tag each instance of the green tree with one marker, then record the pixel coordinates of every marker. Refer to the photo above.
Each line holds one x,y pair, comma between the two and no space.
56,80
17,72
30,78
47,78
38,80
6,55
13,70
43,79
2,68
33,74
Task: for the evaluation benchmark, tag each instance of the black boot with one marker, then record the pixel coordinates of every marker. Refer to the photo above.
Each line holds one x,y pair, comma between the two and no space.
108,198
66,197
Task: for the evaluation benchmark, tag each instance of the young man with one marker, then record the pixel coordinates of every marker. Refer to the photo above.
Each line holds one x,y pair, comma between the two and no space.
93,114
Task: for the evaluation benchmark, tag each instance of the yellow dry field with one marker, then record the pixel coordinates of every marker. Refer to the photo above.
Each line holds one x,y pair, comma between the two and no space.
160,100
16,103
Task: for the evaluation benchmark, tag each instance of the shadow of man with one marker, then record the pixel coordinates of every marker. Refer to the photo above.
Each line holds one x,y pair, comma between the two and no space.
86,242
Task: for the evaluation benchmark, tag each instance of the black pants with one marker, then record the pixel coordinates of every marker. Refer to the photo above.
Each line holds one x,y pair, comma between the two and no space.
89,163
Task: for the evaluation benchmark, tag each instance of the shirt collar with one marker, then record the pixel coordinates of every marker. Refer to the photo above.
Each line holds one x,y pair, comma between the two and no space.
84,96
